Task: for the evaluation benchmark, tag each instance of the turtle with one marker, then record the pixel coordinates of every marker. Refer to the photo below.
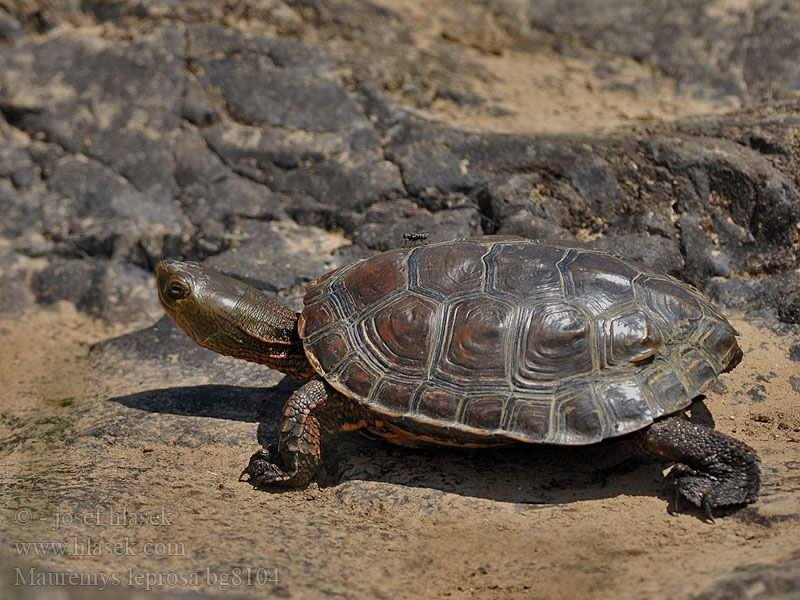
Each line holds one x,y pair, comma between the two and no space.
481,342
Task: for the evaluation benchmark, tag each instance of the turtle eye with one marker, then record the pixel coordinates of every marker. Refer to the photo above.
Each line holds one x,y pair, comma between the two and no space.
177,289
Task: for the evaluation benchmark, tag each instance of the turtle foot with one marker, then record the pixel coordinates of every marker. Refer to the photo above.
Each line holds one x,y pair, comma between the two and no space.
712,470
263,470
708,492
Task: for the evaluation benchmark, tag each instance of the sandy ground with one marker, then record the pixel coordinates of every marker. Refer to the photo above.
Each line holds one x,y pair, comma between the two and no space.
460,63
515,523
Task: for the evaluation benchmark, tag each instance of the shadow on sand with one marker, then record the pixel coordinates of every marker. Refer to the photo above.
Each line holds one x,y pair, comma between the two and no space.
519,473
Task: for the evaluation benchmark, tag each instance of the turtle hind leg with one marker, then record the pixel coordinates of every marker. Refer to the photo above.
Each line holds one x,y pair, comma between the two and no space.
712,470
311,412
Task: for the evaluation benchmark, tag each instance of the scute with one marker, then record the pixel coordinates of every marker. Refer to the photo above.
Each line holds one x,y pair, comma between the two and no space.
506,339
507,275
447,270
357,378
599,281
627,403
673,303
556,343
436,402
400,335
388,275
578,418
484,412
532,417
474,342
631,337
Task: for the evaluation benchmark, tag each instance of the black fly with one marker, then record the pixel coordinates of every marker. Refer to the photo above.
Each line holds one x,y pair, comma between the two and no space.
416,236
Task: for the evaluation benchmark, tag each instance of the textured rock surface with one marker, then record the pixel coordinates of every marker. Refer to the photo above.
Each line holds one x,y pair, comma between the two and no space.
277,140
167,141
776,581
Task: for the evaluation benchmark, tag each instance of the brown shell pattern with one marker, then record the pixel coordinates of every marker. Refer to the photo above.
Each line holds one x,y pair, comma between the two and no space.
514,340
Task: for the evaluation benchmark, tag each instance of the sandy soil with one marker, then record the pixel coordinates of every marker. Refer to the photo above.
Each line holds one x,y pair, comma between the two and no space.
515,523
460,63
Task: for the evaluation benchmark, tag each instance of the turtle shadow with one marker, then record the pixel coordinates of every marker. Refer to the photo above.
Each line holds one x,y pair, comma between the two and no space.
534,474
231,402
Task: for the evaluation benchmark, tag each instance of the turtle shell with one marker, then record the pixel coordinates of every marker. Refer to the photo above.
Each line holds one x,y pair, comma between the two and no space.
514,340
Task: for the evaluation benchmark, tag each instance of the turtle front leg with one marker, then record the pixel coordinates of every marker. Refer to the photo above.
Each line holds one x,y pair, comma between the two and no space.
311,412
712,470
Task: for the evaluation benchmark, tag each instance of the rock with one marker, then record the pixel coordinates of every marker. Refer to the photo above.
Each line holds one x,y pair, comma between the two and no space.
735,293
155,9
17,165
163,341
789,306
214,197
703,260
340,169
10,28
109,290
279,257
592,177
96,212
511,205
383,224
273,132
260,89
774,297
651,250
15,297
425,165
22,209
778,581
115,101
740,197
702,50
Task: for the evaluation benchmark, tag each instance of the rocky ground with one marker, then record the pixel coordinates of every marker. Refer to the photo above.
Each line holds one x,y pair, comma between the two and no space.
277,140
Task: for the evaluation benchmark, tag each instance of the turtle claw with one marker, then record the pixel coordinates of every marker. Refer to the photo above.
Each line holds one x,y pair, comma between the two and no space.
672,508
261,471
696,487
706,503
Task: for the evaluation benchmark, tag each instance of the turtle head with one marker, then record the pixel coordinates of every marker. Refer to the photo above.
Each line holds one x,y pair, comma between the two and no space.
230,317
198,300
